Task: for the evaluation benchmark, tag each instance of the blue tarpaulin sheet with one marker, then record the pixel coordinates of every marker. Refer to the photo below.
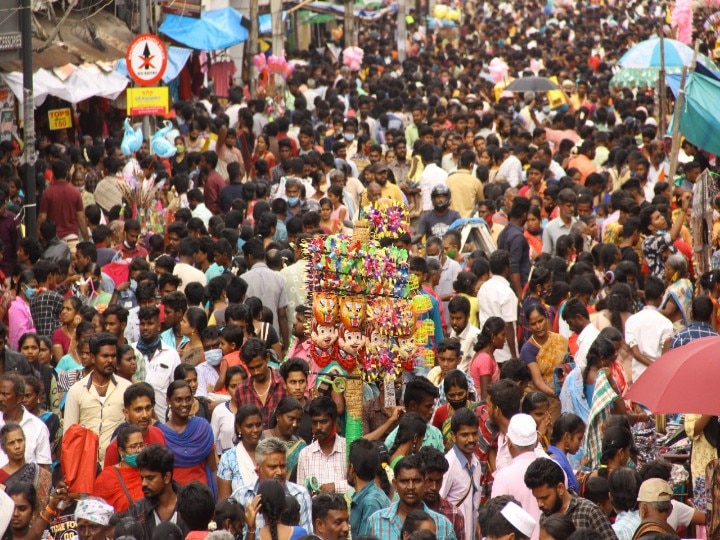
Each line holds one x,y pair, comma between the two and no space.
700,116
215,29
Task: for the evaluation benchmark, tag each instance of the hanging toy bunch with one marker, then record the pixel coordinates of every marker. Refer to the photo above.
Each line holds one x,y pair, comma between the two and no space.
366,307
269,66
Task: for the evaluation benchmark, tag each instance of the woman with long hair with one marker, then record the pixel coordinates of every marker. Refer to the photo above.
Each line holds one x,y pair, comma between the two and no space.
186,372
63,336
534,232
24,496
29,347
237,465
537,405
538,289
543,352
32,402
17,470
457,396
464,285
677,303
619,305
616,449
565,439
584,388
223,415
270,503
285,422
190,438
19,311
192,325
126,362
262,151
409,438
84,330
710,282
120,485
257,327
483,368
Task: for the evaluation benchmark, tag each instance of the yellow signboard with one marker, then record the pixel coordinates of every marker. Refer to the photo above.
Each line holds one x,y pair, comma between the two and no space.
147,100
60,119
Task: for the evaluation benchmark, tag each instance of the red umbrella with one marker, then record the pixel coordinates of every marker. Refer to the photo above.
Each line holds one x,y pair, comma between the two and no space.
684,380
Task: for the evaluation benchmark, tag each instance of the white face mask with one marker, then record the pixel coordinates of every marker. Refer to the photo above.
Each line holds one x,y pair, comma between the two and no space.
213,357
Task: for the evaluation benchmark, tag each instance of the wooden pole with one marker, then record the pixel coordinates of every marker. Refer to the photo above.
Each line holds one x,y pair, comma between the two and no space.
350,26
662,127
402,30
253,48
679,102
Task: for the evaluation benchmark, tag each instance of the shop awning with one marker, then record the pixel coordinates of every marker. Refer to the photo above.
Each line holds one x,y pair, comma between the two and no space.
215,29
102,39
700,118
84,82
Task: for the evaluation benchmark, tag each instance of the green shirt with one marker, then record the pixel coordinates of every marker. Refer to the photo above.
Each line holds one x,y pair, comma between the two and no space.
433,437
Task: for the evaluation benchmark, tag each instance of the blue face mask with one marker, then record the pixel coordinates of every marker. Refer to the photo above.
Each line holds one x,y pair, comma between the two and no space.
293,201
213,357
29,292
133,284
349,136
131,459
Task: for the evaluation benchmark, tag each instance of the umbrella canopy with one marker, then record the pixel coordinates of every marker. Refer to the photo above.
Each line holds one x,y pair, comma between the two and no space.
639,77
532,84
683,380
646,54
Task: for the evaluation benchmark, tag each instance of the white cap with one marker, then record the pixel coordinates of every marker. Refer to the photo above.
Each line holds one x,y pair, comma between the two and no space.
522,430
519,518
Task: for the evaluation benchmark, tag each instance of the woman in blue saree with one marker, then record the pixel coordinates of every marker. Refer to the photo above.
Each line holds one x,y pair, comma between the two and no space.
190,438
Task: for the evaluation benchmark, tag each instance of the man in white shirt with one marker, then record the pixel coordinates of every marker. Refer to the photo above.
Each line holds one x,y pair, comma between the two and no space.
37,437
462,330
196,201
157,367
562,224
185,269
522,441
511,170
648,332
496,298
449,269
576,316
431,176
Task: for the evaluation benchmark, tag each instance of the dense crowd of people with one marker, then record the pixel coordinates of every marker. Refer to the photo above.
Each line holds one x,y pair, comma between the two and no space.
156,375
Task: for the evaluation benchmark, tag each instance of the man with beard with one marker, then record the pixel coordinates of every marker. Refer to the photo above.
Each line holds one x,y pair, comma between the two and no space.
330,517
96,401
409,484
400,166
546,480
522,434
324,462
368,498
271,464
461,485
158,360
155,465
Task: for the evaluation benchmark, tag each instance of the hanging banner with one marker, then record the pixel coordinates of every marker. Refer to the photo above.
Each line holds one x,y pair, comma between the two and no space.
142,101
60,119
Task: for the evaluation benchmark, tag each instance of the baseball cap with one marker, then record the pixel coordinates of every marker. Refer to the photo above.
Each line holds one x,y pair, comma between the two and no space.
655,490
522,430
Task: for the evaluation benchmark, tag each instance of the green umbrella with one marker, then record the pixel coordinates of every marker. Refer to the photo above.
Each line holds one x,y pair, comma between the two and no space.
648,77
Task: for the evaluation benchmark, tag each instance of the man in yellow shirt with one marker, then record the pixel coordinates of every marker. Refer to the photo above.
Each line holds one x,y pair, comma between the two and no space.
465,189
389,190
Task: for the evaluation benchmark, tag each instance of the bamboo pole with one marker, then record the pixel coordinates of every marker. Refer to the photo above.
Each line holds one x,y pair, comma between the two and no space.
679,102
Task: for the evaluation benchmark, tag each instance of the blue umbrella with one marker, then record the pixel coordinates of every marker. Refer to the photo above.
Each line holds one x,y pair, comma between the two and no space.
646,54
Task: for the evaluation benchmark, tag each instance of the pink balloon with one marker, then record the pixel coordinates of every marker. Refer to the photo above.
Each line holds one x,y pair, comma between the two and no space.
260,61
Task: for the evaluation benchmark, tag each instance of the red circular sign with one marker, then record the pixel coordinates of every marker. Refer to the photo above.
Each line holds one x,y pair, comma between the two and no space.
146,59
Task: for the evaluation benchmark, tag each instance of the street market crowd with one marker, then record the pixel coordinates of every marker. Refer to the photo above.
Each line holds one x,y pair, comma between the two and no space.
160,356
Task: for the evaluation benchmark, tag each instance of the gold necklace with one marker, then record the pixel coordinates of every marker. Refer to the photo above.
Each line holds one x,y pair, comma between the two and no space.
96,385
